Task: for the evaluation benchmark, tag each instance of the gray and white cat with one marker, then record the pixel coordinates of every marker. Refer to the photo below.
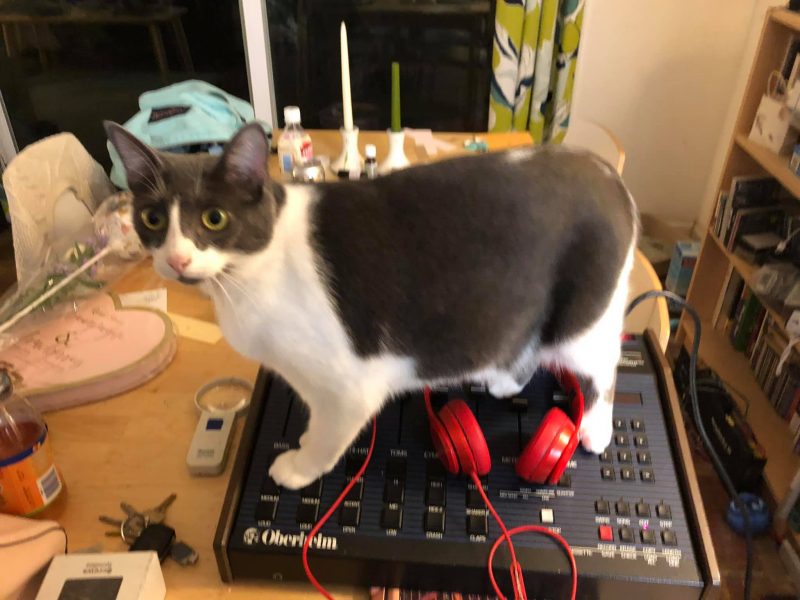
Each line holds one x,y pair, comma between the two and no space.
471,269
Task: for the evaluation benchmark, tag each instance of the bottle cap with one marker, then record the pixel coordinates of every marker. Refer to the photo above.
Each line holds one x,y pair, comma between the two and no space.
369,151
291,114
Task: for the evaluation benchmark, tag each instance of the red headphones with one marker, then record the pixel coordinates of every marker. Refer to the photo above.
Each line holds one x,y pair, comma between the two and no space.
462,448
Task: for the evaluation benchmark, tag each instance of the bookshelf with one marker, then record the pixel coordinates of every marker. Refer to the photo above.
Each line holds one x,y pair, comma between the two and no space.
717,353
777,166
787,18
716,263
747,270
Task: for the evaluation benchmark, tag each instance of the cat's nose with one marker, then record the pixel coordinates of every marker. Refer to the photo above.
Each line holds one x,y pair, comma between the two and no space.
179,262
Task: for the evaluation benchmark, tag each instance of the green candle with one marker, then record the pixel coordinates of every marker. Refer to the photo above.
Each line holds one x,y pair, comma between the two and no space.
395,97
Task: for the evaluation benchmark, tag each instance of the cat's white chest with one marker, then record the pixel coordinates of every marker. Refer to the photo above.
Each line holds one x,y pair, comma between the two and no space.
277,311
240,321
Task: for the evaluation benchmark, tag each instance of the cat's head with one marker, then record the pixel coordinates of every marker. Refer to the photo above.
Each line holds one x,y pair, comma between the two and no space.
201,215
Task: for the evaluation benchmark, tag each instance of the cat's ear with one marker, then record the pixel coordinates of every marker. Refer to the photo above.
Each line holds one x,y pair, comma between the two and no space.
244,161
142,165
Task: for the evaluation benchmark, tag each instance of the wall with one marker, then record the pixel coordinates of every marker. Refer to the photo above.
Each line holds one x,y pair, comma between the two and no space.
666,77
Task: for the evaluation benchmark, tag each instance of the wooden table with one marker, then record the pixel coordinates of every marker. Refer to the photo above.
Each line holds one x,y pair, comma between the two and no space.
11,23
133,447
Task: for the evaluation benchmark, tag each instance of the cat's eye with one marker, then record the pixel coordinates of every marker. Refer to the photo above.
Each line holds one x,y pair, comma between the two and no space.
153,218
215,219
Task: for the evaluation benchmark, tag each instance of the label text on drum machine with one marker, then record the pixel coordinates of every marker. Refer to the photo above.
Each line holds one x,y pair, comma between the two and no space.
275,537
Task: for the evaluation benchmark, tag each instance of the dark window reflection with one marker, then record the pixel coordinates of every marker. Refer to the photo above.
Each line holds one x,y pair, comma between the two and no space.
67,64
444,47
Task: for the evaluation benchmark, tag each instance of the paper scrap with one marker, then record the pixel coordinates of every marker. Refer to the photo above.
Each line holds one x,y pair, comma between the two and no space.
156,299
195,329
431,145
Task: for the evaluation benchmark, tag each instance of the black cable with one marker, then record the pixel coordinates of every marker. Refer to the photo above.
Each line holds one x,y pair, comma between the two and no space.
723,475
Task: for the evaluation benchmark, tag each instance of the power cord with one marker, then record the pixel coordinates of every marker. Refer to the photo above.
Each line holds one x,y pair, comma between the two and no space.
712,453
784,243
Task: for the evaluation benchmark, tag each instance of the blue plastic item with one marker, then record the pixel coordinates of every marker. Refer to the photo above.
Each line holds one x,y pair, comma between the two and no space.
758,511
189,113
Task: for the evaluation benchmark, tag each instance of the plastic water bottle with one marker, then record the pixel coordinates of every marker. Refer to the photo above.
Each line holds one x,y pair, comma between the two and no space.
294,145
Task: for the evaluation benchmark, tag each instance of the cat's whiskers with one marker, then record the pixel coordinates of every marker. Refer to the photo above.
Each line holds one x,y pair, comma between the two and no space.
230,300
240,286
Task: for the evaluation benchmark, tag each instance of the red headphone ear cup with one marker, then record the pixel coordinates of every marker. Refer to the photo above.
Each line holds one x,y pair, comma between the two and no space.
545,449
444,445
566,454
474,435
466,460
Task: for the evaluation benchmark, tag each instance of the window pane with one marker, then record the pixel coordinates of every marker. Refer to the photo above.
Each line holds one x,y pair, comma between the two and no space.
443,46
66,65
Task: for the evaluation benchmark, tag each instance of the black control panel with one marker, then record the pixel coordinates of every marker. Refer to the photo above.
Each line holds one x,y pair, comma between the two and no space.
630,514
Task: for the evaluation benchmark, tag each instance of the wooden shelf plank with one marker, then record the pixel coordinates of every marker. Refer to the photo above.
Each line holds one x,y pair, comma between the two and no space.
746,270
770,429
774,164
787,18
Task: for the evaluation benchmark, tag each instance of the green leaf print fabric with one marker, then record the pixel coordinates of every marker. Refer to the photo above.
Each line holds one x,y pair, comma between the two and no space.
533,66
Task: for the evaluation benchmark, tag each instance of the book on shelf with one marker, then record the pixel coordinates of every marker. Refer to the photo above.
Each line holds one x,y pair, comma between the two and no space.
791,399
747,192
747,312
755,331
726,304
789,66
756,219
765,347
722,200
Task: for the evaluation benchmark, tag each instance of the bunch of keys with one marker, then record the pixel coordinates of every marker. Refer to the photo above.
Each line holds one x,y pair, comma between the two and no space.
145,531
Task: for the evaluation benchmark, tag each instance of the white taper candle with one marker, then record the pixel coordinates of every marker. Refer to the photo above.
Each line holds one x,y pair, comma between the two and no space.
347,102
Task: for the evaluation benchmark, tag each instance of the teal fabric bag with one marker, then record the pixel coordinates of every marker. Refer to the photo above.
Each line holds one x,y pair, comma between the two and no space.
188,113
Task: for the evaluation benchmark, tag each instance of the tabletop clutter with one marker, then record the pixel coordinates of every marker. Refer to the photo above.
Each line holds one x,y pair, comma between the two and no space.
65,341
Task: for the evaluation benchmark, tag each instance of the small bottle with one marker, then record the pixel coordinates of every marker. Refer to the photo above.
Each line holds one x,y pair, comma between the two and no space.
29,480
370,162
294,145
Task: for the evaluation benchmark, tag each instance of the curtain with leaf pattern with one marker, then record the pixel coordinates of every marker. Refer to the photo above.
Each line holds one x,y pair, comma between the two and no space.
533,66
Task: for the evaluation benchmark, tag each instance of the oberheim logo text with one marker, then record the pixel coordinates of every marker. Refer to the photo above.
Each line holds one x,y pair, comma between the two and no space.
274,537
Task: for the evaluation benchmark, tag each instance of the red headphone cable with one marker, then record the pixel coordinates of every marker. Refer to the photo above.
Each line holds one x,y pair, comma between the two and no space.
517,579
543,531
313,580
516,569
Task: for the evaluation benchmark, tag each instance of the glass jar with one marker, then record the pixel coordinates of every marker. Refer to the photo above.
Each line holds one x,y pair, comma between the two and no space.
29,479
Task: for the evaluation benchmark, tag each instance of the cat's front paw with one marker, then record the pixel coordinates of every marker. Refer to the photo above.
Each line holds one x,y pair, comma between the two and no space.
597,428
290,470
